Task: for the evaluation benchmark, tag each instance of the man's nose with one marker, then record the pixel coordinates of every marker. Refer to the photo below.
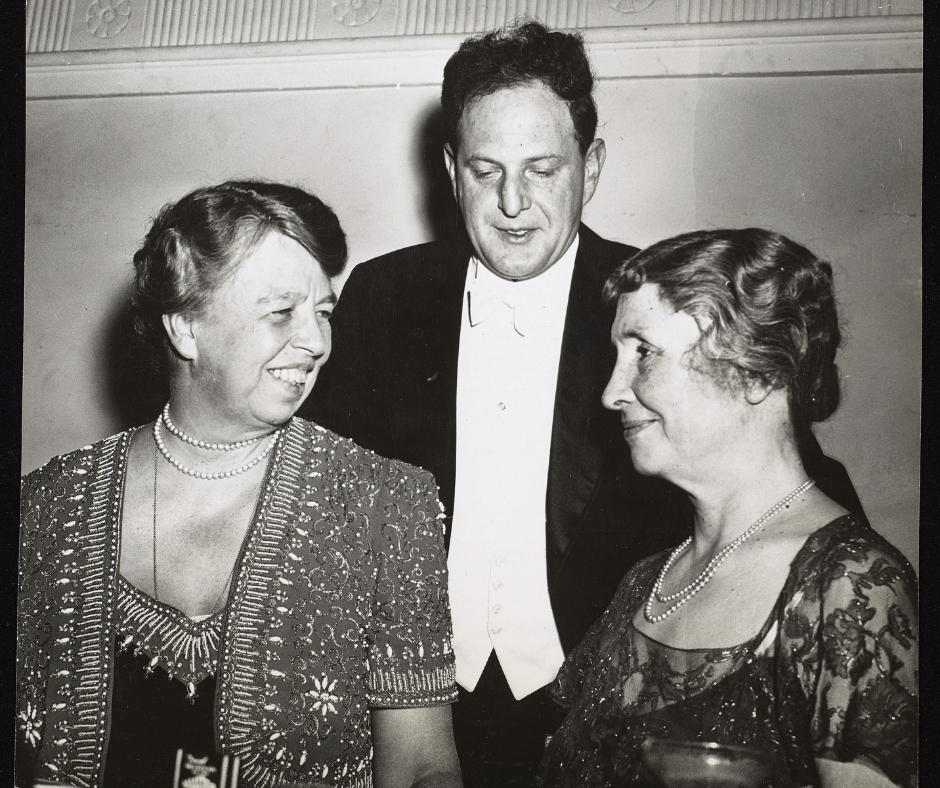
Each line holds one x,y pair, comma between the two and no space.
513,196
619,388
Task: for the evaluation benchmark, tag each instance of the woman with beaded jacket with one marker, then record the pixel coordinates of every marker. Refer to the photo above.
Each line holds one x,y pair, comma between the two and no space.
229,581
783,623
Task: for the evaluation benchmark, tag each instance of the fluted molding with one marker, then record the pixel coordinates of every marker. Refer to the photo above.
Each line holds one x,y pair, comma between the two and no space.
888,44
80,25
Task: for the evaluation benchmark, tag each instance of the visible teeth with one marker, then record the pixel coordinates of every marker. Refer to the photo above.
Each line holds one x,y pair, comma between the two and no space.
292,375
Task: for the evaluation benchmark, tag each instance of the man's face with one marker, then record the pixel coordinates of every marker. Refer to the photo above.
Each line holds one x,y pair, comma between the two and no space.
520,179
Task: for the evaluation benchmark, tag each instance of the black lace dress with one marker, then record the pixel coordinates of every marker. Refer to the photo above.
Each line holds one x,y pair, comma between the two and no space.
832,674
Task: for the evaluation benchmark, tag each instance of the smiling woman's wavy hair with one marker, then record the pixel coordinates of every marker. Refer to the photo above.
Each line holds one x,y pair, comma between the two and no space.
195,244
765,305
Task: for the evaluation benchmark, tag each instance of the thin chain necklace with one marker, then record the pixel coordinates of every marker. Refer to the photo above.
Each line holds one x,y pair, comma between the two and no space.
685,594
165,415
231,574
158,439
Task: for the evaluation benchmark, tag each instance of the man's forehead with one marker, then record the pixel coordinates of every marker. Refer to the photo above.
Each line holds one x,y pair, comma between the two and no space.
515,115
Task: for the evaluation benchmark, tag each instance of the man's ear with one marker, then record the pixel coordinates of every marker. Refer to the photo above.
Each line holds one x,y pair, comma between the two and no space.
450,161
593,164
179,328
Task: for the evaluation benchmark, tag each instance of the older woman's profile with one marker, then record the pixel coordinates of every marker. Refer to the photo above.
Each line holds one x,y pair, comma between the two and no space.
784,627
230,593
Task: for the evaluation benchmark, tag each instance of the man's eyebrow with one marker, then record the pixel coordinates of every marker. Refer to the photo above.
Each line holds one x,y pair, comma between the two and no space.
547,157
332,298
553,157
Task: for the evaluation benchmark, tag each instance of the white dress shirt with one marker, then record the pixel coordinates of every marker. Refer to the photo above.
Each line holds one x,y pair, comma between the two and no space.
510,344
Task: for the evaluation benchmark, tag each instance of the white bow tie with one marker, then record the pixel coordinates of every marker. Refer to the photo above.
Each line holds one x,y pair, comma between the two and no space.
484,300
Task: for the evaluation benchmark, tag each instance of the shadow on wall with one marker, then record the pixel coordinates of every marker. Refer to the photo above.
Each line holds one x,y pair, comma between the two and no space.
134,389
440,207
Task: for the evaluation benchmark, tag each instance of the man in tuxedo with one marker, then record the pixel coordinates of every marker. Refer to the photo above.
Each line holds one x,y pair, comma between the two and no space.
482,358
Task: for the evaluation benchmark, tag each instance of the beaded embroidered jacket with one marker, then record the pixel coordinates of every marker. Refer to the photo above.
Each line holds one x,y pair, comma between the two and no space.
338,604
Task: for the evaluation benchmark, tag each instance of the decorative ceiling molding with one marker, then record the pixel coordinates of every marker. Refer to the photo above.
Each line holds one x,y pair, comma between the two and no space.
78,25
888,44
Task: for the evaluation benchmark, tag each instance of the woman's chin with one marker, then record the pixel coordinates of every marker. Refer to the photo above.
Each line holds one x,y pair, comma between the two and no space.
643,461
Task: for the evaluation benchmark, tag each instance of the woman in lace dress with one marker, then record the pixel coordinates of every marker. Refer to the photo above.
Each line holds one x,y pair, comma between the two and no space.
784,622
229,581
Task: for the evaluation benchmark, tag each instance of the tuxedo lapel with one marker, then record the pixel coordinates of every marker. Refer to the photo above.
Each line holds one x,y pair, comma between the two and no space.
582,430
422,371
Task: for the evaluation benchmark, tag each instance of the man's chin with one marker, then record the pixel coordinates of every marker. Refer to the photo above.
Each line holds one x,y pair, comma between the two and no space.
517,268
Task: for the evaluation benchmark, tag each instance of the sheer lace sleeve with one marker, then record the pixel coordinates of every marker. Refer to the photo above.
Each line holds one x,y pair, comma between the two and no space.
852,632
410,654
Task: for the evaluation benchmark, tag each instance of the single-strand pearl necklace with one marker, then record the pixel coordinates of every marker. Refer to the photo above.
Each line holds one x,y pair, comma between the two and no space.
706,574
202,444
158,439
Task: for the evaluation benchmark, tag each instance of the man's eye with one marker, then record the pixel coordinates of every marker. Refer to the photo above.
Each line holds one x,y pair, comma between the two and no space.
543,173
483,174
324,314
644,351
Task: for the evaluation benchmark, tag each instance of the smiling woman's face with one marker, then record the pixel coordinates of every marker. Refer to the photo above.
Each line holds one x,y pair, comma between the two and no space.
678,422
263,336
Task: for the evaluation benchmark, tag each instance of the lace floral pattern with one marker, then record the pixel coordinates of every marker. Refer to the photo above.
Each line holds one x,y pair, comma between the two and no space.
832,674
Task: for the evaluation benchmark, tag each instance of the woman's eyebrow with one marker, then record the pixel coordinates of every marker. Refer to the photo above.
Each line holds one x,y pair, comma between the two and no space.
280,295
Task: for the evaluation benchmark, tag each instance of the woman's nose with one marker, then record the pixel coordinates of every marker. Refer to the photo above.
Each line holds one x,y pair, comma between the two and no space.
513,196
313,335
619,388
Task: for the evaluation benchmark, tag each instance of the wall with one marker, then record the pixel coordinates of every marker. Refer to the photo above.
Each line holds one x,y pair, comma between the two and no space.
831,158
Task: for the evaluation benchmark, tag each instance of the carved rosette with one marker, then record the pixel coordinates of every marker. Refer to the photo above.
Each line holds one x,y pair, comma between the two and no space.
631,6
353,13
107,18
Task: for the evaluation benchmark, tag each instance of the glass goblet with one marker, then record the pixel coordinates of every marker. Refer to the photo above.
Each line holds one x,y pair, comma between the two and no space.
693,764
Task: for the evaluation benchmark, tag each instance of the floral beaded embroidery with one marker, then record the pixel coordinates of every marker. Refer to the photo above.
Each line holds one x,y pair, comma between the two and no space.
338,604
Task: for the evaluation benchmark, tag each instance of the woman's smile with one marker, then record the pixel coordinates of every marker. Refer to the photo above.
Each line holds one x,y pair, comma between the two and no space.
633,428
293,376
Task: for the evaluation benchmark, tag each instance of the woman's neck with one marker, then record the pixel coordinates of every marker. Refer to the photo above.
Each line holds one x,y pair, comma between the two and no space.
739,493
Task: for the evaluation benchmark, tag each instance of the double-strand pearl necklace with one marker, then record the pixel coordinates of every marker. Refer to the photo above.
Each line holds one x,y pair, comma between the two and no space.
158,439
685,594
174,430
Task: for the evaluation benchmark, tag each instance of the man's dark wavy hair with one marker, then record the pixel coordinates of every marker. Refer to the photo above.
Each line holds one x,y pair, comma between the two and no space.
523,53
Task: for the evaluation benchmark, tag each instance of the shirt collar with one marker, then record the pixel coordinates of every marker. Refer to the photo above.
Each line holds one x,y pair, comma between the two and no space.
529,303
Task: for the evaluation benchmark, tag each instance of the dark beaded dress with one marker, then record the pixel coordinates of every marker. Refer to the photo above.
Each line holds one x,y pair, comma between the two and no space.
832,674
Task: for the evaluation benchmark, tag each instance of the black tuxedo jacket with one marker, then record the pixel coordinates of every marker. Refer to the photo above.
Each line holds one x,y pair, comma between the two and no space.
391,386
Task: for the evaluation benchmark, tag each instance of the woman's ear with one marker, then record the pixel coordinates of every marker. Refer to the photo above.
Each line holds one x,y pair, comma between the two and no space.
757,389
179,329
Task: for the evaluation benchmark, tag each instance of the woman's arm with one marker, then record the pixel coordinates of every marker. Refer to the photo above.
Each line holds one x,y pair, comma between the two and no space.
414,748
863,663
854,774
